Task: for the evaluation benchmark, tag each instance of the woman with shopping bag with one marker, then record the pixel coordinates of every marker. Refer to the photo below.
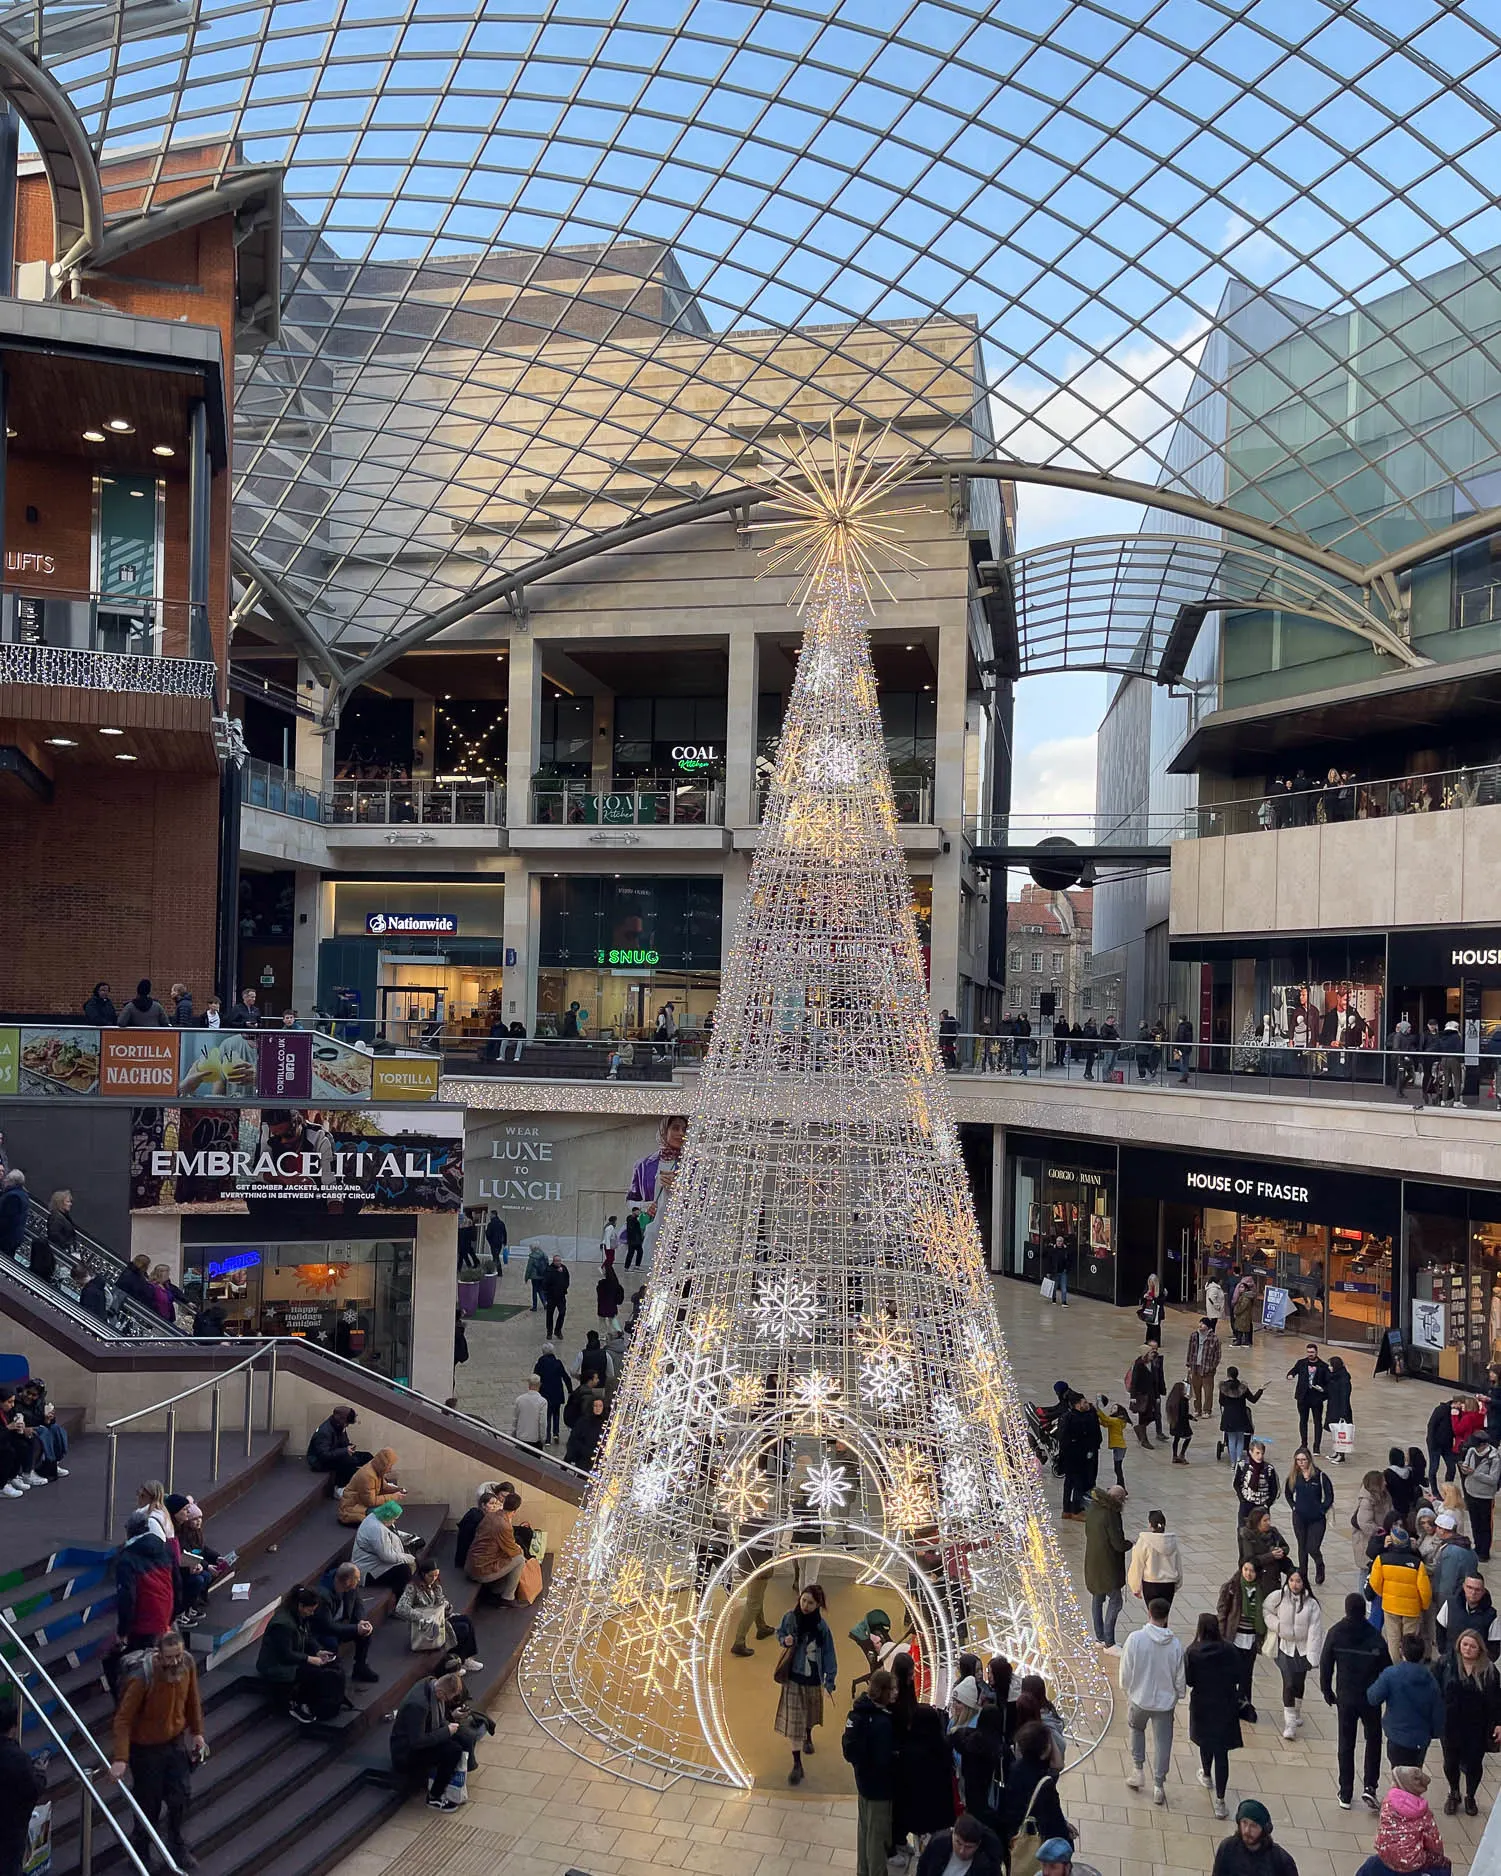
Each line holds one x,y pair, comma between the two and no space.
1340,1422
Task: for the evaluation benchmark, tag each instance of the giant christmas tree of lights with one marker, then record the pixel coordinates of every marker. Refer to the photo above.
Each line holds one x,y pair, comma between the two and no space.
818,1366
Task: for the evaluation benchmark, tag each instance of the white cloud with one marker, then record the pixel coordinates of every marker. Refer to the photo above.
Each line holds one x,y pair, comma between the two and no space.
1050,779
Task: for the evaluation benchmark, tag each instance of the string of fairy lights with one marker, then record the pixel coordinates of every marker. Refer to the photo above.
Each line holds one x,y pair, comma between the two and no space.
818,1366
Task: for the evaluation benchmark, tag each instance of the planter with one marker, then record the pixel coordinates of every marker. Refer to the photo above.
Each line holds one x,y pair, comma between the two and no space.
469,1296
487,1290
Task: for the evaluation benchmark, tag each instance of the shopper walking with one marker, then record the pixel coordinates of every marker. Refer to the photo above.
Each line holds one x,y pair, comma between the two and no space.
555,1386
1151,1678
1236,1424
1400,1579
1243,1309
1254,1480
1480,1470
1105,1551
1264,1546
1470,1607
1242,1620
1147,1388
536,1275
1338,1409
1450,1561
555,1296
1310,1393
806,1671
1152,1309
1353,1656
1179,1422
1251,1852
1154,1568
869,1746
1079,1436
1471,1691
1368,1520
1440,1442
1203,1364
1412,1708
158,1732
1310,1497
1212,1675
1295,1628
1407,1833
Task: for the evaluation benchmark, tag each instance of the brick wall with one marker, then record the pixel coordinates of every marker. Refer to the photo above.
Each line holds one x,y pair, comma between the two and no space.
117,879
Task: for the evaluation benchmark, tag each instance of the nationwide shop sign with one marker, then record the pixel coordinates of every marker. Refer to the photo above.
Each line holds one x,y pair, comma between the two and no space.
284,1070
264,1160
137,1061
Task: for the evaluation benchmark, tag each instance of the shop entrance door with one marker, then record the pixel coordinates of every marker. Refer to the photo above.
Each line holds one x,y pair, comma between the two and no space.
408,1011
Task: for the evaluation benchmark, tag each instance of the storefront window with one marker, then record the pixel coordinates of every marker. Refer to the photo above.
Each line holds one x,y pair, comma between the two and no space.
1056,1199
625,1003
351,1296
1442,1340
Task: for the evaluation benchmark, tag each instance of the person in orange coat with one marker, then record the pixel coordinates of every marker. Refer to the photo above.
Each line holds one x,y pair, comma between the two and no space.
495,1559
372,1485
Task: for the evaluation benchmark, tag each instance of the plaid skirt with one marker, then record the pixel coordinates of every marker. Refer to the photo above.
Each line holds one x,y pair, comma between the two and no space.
799,1710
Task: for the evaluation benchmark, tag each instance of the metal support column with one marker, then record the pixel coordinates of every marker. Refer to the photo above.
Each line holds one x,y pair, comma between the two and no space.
200,475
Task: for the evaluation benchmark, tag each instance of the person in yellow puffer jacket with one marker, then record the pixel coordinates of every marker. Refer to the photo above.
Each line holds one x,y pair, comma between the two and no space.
1400,1578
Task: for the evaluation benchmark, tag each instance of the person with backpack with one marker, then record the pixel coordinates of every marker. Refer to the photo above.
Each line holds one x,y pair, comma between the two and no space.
305,1677
157,1735
869,1746
1480,1471
145,1584
537,1268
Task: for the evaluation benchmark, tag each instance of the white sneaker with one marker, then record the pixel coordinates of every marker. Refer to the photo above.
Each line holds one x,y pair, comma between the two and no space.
1159,1796
1133,1778
1203,1777
12,1491
21,1480
1112,1648
1289,1723
33,1478
472,1665
62,1472
1220,1808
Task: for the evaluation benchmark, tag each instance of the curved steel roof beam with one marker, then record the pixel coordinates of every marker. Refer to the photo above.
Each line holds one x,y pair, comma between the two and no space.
66,153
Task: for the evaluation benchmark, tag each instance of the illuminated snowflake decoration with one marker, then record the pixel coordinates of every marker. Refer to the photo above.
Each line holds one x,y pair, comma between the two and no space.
885,1365
599,1552
830,762
744,1492
818,1400
652,1484
744,1391
962,1492
785,1310
655,1639
827,1487
909,1495
947,1417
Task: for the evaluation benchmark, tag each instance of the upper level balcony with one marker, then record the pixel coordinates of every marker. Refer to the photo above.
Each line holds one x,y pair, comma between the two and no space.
375,815
669,815
91,641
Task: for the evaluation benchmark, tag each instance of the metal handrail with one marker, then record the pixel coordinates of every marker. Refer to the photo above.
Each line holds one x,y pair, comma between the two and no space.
89,1795
66,1306
169,1406
267,1349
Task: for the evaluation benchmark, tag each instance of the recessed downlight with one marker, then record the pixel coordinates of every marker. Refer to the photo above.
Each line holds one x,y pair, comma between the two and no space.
61,742
93,436
123,757
120,426
106,731
162,449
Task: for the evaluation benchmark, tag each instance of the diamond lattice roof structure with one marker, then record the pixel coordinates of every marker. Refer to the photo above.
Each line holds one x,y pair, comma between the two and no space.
558,272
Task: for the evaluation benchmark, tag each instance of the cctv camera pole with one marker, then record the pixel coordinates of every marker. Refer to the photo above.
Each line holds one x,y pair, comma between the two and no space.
229,739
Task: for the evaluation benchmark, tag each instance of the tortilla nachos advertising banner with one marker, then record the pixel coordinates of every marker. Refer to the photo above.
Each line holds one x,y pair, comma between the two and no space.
261,1160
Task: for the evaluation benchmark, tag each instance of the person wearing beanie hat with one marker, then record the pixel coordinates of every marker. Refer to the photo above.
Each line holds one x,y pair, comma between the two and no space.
143,1011
1251,1852
379,1553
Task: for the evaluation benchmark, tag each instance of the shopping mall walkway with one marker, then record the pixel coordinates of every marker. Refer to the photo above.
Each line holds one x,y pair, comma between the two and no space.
536,1811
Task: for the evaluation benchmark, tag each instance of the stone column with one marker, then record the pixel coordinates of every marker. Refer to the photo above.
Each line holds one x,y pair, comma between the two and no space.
602,749
948,813
313,759
999,1248
740,728
306,933
435,1274
523,726
520,938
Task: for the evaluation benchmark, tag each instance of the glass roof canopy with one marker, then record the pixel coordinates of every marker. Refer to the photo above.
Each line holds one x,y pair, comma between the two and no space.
547,264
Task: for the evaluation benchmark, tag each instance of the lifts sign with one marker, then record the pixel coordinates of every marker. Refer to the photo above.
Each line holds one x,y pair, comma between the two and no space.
412,925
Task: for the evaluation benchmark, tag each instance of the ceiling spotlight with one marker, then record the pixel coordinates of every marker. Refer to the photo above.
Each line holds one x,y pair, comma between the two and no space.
109,732
162,449
93,436
61,742
120,426
122,757
10,430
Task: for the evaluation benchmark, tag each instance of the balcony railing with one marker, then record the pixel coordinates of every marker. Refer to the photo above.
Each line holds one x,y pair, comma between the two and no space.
414,804
913,802
628,804
372,804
